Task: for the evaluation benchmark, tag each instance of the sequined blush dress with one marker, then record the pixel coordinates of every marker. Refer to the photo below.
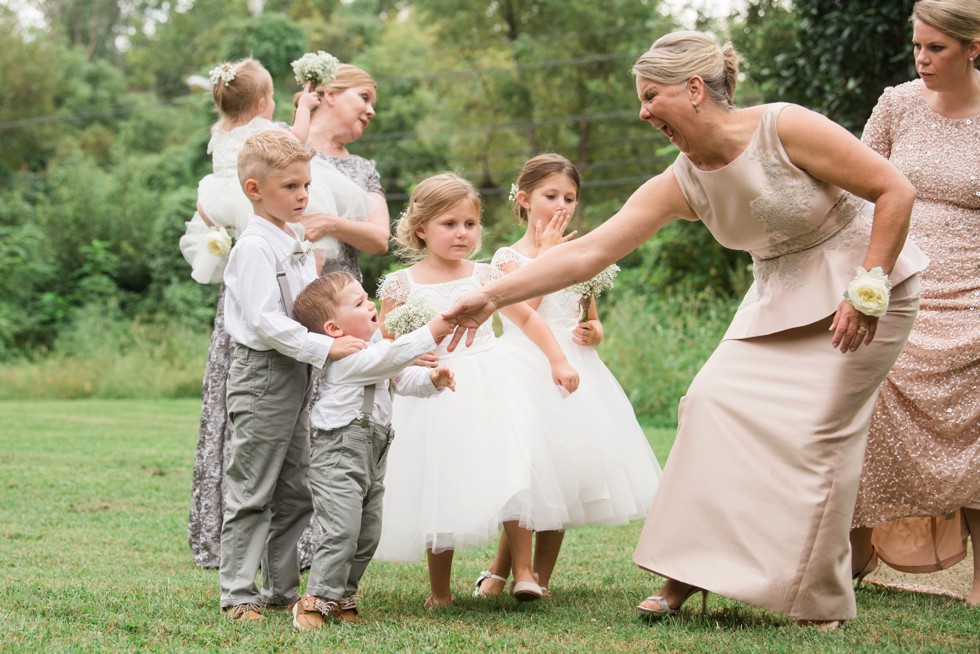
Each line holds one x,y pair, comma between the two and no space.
923,458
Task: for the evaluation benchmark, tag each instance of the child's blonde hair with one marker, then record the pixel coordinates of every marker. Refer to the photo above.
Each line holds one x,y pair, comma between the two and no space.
238,98
317,302
536,169
348,77
431,198
269,152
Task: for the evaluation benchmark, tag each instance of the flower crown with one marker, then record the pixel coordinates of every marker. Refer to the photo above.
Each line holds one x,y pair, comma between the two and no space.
319,68
222,73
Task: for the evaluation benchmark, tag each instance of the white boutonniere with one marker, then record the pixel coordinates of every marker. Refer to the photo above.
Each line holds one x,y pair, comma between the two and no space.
307,247
869,291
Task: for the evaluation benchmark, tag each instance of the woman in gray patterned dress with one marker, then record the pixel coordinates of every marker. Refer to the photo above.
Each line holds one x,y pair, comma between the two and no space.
344,113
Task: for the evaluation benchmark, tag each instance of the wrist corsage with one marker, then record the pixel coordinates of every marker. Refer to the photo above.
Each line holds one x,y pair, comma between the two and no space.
869,291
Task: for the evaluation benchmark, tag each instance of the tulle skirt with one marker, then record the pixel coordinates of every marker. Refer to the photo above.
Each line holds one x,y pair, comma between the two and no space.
464,462
608,472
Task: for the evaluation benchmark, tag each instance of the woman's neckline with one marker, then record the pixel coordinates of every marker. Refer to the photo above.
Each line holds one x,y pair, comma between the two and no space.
920,93
748,144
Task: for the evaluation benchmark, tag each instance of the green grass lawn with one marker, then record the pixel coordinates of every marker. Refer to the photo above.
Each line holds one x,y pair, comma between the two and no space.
93,557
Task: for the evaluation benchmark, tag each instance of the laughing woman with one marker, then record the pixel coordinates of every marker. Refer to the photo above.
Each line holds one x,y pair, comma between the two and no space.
756,497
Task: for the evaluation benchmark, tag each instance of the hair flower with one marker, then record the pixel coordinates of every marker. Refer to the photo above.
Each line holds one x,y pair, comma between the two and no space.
512,196
319,68
222,73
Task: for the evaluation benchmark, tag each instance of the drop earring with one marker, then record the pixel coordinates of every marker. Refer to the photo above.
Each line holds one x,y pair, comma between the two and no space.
697,109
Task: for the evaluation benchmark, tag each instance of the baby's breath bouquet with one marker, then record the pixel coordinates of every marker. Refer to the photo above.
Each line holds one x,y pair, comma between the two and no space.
593,288
408,317
318,67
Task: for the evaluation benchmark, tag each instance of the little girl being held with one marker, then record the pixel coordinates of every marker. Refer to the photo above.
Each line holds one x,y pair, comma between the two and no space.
243,95
607,457
436,498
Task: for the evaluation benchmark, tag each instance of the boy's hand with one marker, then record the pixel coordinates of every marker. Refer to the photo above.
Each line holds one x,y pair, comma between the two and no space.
308,99
443,378
440,328
427,360
344,347
588,333
565,375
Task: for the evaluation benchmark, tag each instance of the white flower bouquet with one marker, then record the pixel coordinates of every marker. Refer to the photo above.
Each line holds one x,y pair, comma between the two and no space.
408,317
593,288
869,291
318,68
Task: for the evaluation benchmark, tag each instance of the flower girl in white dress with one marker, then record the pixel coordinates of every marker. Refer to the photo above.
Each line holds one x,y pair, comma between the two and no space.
434,500
607,457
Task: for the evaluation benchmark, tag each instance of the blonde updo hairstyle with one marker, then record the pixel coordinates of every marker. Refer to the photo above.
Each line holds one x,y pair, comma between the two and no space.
677,57
431,198
539,168
348,77
959,19
237,100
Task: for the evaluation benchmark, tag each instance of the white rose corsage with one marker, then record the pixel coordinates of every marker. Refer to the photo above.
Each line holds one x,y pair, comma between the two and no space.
408,317
319,68
593,288
869,291
218,242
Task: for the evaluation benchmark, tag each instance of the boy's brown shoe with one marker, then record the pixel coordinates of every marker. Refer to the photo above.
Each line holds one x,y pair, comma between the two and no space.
348,609
311,612
249,612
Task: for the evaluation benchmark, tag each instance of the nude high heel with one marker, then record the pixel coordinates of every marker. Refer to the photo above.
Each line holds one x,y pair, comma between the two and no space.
662,609
870,567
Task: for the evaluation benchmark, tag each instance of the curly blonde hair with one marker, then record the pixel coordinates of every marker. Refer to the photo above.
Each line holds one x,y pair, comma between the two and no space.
431,198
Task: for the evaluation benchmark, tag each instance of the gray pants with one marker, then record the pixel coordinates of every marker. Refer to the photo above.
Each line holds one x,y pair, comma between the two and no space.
347,478
267,496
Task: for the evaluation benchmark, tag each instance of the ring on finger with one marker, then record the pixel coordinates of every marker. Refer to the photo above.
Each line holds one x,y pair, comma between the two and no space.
863,329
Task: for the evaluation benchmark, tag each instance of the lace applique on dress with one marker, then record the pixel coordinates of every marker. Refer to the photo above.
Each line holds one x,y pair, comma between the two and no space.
505,256
485,273
395,286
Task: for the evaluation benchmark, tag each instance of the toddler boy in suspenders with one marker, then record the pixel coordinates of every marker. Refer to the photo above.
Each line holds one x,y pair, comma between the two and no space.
353,432
268,500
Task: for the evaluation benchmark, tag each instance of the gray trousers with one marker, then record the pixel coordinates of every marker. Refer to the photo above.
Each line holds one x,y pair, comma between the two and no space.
347,479
267,495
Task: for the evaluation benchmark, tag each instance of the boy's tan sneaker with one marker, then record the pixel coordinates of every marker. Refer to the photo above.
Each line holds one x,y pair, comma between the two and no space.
311,612
249,612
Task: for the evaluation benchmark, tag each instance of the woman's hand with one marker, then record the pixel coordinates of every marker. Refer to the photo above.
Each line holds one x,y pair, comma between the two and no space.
427,360
318,225
851,328
564,375
469,312
547,236
588,333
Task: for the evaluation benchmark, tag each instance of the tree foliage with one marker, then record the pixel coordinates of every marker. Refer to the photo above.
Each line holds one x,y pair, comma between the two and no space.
845,53
103,142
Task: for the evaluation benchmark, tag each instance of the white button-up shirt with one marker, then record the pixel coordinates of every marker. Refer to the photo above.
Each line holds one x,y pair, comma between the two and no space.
343,381
255,315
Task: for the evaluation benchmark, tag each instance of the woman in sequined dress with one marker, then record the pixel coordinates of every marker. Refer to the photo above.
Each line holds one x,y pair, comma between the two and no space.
920,487
756,496
345,110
